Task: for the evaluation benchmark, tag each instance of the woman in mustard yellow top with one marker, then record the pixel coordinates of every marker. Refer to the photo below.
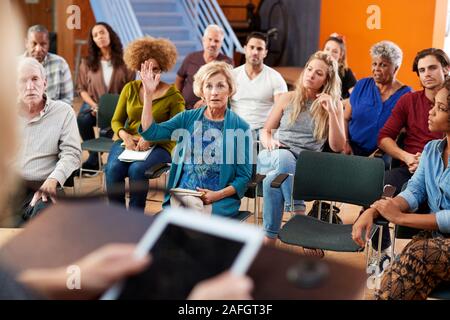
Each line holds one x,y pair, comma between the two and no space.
167,102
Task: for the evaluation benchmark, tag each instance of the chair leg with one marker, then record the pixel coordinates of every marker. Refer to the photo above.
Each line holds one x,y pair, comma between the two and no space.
80,179
319,213
393,243
380,237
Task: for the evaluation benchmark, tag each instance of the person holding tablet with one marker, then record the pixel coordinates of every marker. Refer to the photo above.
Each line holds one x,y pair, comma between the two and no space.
213,153
104,266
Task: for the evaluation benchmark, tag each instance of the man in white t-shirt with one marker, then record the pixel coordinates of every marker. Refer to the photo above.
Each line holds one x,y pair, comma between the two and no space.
258,86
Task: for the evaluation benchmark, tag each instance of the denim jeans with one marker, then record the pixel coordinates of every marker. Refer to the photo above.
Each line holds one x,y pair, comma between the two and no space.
116,172
86,123
276,200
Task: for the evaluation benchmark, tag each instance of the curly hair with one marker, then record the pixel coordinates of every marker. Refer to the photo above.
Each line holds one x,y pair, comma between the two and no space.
160,49
447,86
388,50
95,54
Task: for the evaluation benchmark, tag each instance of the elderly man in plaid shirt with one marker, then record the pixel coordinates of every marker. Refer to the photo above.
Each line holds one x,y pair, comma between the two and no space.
60,85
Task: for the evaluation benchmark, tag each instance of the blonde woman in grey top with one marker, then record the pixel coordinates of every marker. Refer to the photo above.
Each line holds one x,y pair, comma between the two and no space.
301,120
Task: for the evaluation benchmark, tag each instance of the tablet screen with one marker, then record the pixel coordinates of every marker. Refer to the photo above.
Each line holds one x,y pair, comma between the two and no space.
181,258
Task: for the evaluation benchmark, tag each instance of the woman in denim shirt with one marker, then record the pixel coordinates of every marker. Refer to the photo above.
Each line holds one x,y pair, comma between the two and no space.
425,261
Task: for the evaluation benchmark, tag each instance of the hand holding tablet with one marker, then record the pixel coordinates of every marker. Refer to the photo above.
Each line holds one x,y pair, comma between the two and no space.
187,249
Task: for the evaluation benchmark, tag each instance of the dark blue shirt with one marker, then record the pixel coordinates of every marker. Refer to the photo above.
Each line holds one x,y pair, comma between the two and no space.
369,113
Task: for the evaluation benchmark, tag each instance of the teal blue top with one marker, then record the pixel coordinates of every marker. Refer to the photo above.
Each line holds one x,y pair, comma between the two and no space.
236,143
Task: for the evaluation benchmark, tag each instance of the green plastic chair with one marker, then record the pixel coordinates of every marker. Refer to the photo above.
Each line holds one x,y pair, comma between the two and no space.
106,108
332,177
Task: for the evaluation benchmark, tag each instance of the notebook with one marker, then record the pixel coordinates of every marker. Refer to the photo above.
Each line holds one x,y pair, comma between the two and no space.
186,192
132,156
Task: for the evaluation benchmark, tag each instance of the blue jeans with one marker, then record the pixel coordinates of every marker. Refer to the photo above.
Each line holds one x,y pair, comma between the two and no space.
277,200
86,123
116,171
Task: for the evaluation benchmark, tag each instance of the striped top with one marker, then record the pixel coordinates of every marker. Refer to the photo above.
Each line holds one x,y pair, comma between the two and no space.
51,146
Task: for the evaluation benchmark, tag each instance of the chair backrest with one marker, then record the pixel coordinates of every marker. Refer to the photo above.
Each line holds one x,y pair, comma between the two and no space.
106,108
338,177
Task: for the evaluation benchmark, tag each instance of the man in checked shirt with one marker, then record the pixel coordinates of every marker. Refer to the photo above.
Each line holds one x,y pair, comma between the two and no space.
59,79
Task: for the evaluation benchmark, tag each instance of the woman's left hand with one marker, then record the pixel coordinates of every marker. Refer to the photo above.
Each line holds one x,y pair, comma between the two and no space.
326,102
143,145
209,197
388,209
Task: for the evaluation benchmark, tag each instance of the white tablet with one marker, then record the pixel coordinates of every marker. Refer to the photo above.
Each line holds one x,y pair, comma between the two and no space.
186,248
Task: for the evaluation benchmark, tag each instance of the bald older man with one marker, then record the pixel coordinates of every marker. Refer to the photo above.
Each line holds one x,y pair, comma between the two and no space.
51,148
212,43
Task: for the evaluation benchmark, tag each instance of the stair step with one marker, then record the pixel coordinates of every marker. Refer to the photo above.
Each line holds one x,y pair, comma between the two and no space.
172,33
149,19
154,5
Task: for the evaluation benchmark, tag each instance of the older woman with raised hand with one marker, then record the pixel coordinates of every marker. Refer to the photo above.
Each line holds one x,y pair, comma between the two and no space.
373,99
102,71
166,101
425,261
335,46
214,155
305,119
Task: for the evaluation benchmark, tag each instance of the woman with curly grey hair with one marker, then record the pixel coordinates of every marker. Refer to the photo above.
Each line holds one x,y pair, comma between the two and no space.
166,100
373,99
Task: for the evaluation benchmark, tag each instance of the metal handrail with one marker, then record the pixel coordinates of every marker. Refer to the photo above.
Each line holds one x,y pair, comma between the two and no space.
202,13
120,15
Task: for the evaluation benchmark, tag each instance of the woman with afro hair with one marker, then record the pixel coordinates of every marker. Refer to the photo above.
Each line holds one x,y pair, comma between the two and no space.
167,101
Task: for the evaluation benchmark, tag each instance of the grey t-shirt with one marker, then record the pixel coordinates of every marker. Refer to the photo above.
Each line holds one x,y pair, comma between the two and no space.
300,135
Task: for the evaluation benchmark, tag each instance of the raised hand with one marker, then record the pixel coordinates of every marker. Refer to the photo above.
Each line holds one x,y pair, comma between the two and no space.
150,80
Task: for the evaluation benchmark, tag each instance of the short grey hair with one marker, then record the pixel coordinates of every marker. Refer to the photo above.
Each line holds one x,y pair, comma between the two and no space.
388,50
214,27
28,61
37,28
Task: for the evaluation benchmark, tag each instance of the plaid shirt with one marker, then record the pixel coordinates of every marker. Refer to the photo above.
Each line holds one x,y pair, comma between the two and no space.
59,78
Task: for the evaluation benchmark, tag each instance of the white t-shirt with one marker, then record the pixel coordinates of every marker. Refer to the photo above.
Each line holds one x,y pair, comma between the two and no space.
253,100
107,69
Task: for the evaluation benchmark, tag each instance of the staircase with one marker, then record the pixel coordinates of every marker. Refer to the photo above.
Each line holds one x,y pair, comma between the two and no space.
181,21
166,19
